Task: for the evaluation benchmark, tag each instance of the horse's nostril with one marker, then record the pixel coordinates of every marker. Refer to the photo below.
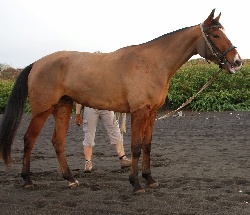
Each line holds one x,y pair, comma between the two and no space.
238,63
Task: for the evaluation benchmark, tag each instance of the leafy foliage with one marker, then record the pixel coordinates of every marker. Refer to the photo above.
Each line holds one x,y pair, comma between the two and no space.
226,92
5,90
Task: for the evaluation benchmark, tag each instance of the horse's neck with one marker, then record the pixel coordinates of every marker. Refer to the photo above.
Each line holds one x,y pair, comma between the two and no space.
176,48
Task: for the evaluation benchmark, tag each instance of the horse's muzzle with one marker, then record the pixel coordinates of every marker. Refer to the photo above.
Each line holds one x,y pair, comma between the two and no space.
231,67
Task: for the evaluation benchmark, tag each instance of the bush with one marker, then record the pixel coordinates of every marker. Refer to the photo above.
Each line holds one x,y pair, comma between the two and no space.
5,90
9,73
226,92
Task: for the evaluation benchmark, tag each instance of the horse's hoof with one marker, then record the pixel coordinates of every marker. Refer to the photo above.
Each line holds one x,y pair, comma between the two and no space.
153,185
73,184
139,191
27,186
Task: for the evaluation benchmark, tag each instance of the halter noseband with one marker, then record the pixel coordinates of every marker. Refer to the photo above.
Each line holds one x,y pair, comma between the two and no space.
211,46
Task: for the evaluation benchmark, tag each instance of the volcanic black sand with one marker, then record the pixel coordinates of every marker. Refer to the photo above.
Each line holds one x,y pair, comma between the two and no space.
201,161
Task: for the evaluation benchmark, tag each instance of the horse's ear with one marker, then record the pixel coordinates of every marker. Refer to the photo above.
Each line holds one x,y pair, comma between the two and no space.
218,18
209,18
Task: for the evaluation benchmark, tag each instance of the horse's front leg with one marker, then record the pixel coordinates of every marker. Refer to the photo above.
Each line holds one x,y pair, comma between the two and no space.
146,148
139,120
62,114
30,137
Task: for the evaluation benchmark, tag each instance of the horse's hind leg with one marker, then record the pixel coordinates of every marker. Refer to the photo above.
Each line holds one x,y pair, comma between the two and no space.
62,114
30,137
146,148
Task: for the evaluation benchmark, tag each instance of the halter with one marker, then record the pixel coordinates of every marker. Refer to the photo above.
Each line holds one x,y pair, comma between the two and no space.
211,46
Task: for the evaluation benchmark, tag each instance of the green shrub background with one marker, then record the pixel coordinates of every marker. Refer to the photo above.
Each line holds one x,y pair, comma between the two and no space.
228,92
5,89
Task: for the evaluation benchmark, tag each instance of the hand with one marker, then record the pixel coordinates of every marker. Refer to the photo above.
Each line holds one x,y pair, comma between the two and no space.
78,119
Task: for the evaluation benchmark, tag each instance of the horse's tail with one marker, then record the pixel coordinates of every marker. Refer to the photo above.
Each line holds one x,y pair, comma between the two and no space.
13,114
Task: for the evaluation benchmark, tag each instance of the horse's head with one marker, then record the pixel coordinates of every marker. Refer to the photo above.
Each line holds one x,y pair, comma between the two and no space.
216,47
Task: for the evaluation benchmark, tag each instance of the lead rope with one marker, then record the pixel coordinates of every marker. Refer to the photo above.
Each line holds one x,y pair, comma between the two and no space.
191,98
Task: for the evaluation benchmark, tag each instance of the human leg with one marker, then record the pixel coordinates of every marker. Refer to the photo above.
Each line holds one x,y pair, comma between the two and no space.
119,148
87,150
115,136
90,119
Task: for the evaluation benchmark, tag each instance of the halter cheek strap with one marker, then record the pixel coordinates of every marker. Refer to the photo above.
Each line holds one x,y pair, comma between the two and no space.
211,46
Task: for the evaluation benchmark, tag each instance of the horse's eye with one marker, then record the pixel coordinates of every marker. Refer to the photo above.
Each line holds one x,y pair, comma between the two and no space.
216,36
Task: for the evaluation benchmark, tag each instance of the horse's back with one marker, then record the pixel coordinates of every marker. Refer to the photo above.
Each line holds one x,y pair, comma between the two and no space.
88,78
119,81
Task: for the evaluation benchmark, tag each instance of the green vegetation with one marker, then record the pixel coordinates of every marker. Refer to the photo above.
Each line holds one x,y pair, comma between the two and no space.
228,92
5,89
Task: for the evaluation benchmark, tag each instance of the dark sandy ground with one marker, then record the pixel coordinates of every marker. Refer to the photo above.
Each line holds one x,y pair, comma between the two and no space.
201,161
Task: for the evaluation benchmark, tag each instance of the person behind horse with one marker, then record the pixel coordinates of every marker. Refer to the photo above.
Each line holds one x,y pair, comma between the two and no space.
89,121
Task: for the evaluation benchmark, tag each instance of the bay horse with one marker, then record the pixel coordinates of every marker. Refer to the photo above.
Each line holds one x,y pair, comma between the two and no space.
133,79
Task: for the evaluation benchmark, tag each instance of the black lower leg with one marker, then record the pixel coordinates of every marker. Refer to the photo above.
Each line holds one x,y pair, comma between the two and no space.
27,180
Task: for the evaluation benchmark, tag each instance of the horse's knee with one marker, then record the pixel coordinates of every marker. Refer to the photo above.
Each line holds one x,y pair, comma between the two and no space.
146,148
